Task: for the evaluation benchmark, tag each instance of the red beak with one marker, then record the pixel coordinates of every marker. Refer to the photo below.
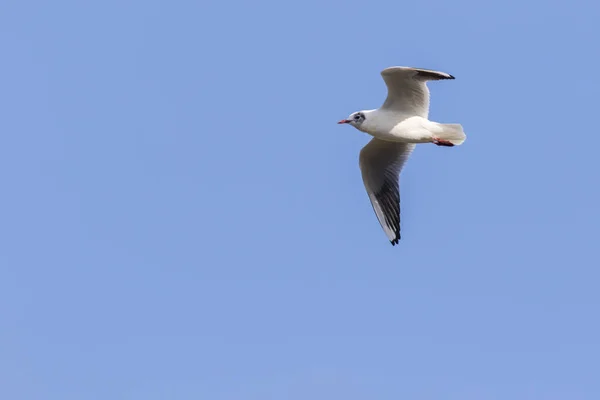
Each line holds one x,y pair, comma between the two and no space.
344,121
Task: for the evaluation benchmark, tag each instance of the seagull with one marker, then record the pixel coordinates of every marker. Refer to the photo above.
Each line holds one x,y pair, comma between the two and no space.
397,126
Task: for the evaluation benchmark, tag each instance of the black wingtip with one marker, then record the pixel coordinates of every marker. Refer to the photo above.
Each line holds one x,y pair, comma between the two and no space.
434,75
395,241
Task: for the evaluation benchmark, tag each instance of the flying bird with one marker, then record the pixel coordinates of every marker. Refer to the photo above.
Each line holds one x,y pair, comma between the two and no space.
397,126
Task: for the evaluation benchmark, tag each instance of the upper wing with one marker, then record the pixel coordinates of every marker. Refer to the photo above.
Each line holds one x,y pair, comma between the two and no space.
407,89
380,164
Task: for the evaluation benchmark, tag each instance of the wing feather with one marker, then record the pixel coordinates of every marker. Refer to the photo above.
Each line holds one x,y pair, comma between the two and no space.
407,89
381,163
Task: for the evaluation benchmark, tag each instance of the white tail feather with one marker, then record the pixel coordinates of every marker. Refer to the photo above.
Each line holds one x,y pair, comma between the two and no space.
452,133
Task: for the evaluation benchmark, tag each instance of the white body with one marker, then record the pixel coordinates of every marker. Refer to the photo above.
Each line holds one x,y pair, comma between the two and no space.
397,127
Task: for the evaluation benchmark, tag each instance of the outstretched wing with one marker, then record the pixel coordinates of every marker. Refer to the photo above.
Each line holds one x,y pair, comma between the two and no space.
407,89
380,164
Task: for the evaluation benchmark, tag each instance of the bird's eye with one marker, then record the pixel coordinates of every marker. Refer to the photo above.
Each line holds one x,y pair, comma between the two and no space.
357,116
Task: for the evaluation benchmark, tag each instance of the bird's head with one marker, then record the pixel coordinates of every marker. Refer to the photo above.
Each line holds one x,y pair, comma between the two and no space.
355,119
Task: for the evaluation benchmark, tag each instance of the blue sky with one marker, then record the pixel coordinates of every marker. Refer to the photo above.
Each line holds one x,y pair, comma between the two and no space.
183,219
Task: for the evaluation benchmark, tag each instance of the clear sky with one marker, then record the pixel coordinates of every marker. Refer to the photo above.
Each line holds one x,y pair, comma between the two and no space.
183,219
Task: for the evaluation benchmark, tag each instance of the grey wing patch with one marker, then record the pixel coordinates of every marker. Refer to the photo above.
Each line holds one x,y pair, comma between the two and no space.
407,89
380,164
388,198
